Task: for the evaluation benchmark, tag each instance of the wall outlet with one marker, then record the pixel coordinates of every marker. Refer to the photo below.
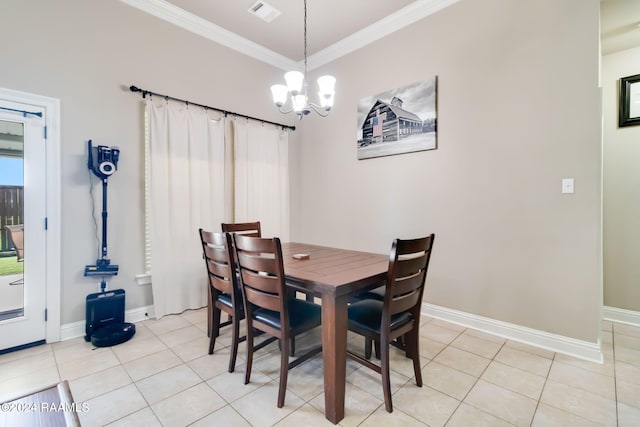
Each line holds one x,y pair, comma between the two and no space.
567,185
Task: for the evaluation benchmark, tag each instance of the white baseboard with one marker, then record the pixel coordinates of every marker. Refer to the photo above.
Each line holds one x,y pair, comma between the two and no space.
78,329
620,315
557,343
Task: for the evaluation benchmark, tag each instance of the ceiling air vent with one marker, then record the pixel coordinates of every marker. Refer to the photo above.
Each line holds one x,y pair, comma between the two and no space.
264,11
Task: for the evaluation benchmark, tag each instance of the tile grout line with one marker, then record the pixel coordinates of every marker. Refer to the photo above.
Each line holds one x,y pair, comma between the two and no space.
546,378
615,378
477,379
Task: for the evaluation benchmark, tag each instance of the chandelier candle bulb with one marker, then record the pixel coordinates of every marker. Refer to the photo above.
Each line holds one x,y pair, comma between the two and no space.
294,81
326,85
279,94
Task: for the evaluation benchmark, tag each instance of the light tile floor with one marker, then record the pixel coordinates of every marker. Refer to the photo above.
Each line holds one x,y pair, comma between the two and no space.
164,377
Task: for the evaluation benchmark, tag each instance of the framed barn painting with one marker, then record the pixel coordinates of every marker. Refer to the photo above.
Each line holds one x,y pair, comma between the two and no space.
398,121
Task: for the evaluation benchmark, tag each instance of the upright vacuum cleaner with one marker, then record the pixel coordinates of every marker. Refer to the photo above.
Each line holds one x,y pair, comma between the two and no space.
105,325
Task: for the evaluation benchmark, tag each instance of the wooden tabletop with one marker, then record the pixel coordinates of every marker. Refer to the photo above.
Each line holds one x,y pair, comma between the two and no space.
332,270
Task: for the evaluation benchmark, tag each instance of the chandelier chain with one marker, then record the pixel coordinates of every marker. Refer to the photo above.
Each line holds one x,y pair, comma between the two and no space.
305,40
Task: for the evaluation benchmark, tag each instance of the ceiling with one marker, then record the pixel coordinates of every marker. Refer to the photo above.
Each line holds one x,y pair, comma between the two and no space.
334,27
338,27
328,21
619,25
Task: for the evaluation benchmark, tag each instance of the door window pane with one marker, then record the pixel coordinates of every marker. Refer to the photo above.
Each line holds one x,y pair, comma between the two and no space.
11,220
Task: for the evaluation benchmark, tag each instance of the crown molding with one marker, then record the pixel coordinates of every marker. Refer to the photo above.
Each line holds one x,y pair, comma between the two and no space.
164,10
396,21
406,16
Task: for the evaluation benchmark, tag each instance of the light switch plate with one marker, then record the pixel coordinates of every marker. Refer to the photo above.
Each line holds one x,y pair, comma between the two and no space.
567,185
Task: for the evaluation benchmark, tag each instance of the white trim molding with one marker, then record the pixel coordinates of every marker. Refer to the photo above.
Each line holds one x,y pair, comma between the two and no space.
390,24
164,10
51,107
572,347
620,315
77,329
406,16
143,279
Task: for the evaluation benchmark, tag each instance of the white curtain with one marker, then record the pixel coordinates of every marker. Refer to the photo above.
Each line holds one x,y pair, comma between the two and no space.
186,172
261,176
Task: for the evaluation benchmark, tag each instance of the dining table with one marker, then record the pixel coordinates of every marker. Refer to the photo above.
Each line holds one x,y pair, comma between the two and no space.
334,275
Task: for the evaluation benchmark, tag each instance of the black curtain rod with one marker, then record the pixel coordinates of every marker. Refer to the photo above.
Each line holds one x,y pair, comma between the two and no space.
167,97
23,112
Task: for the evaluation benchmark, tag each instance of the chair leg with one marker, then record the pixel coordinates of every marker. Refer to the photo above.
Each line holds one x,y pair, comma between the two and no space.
401,342
293,346
368,342
234,343
376,346
413,350
209,313
247,373
284,371
215,328
386,379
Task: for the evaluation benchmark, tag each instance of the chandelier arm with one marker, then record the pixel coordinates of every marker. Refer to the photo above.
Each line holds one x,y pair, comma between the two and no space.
322,112
285,111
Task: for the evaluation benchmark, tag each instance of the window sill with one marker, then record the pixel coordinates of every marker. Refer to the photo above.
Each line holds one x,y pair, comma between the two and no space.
143,279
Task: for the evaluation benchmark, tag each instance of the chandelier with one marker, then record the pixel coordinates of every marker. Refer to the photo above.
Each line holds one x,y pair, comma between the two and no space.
296,88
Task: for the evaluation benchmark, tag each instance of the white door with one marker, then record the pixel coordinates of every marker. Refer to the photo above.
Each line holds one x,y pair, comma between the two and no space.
24,322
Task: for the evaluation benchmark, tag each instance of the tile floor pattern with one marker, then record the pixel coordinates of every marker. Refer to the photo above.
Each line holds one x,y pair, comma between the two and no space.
164,377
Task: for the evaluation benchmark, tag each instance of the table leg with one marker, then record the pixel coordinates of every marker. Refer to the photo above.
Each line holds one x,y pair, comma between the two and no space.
334,355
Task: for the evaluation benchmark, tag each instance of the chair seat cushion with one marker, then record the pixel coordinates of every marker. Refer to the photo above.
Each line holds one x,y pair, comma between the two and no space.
303,315
366,316
225,299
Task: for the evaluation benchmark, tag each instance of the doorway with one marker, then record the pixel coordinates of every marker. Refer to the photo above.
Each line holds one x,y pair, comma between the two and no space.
29,220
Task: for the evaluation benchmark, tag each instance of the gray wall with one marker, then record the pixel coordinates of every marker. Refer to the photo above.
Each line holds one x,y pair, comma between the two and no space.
87,53
621,189
518,110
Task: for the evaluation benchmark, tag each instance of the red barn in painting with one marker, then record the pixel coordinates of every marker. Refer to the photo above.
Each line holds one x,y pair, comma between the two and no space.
387,122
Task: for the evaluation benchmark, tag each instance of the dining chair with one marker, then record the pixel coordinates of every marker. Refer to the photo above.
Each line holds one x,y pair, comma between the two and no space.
224,289
268,305
246,228
398,315
250,229
16,236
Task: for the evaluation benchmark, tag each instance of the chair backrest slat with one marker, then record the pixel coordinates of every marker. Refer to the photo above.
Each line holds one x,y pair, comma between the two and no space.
409,267
408,284
263,283
262,299
257,262
405,302
251,229
224,286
